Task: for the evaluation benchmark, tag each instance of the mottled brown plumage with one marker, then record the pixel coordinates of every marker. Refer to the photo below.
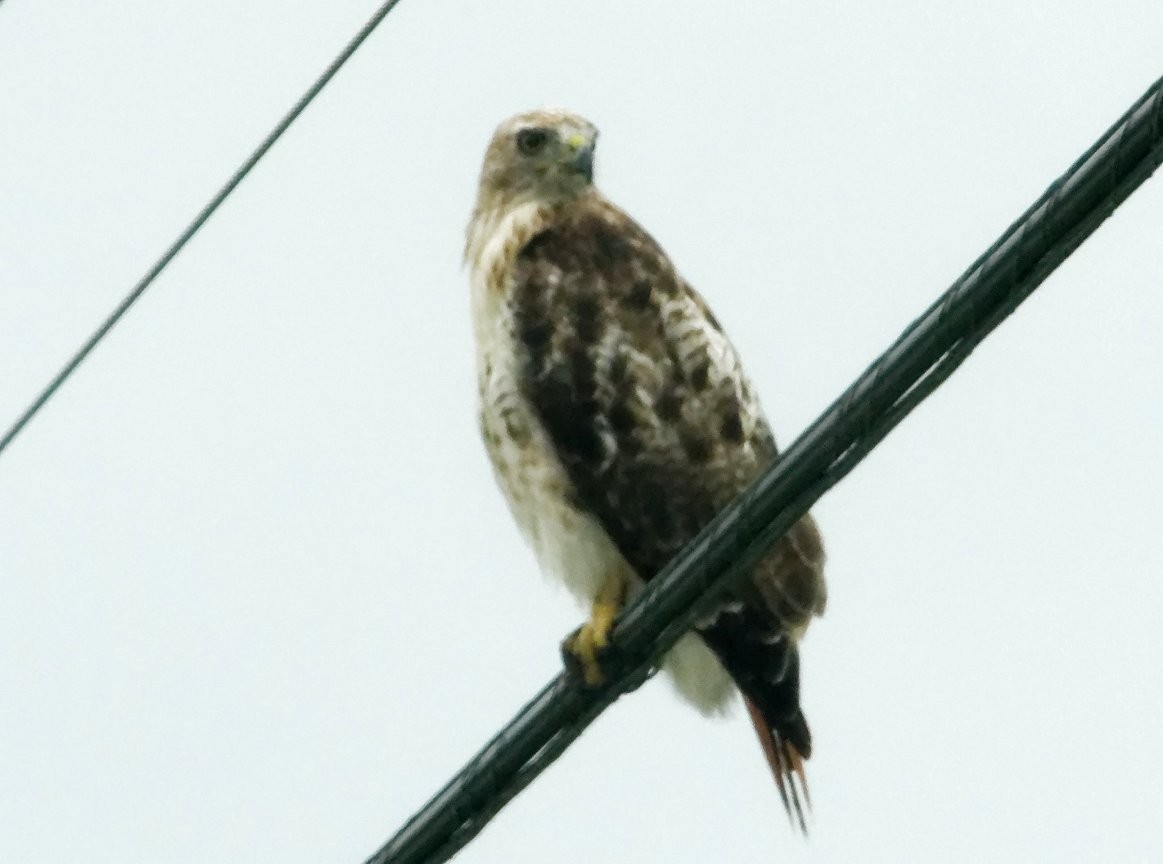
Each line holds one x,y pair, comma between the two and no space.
619,419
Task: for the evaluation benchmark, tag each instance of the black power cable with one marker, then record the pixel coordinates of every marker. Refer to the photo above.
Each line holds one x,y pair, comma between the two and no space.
923,357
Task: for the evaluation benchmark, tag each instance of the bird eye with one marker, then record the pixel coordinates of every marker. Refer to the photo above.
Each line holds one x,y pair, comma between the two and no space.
530,141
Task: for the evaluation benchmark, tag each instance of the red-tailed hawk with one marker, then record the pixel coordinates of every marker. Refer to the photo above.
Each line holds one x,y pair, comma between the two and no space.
619,422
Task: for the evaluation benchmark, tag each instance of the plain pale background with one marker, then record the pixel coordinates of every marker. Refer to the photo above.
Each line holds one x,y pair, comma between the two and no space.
259,596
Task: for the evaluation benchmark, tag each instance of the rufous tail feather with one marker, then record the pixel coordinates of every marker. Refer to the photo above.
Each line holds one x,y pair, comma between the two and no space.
786,765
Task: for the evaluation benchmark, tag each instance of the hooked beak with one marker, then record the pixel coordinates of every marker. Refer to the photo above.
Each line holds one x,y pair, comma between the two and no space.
584,163
582,160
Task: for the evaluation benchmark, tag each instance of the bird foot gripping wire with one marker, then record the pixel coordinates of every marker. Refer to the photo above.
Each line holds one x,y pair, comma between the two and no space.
584,650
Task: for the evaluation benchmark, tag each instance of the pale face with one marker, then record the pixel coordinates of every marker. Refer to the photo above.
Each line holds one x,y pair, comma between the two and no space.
539,155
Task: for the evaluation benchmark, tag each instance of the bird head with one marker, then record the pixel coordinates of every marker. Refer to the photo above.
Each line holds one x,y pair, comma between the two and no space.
545,156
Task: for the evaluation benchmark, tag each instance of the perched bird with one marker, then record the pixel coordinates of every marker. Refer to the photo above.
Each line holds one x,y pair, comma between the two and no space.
619,421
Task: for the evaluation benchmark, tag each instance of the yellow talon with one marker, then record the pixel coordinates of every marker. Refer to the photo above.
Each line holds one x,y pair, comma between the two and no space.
594,635
590,639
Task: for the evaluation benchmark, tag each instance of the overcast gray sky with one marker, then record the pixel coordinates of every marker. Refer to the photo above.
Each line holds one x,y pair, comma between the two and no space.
258,594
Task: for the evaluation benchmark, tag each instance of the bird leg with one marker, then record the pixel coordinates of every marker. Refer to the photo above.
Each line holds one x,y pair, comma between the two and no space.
586,644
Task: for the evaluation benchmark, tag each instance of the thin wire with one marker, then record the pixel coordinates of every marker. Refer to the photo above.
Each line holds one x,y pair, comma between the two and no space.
921,359
192,229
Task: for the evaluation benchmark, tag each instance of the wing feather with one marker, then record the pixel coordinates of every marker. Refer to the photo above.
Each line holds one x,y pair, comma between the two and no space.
638,388
650,414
